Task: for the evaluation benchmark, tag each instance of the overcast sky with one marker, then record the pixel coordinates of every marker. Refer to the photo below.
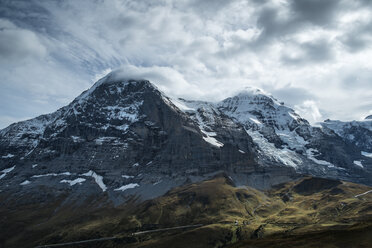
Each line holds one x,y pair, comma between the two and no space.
315,55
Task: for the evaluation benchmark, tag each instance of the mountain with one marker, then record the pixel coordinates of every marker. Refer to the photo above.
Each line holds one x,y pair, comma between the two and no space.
283,136
118,135
125,149
124,137
358,133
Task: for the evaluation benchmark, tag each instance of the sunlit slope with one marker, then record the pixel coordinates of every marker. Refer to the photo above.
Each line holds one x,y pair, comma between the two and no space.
304,213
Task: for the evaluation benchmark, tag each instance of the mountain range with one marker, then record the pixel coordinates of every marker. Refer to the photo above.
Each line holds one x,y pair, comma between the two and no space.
125,141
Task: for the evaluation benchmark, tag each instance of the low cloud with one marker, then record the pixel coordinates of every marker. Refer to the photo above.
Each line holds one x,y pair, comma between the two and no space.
167,79
309,109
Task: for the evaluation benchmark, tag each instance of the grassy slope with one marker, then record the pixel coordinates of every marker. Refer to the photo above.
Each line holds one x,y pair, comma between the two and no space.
306,213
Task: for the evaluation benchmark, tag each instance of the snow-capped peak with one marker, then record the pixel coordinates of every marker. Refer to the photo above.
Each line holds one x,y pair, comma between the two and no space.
253,105
253,91
250,92
274,127
117,77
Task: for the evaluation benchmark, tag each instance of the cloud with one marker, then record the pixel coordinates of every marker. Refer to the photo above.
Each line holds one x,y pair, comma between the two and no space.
318,12
207,7
17,44
358,37
309,110
290,95
309,52
296,49
356,81
167,79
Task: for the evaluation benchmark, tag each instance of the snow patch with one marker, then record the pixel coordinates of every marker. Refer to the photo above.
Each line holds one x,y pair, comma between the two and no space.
123,127
284,156
76,139
123,113
8,156
78,180
97,178
358,163
210,139
213,141
127,177
310,155
6,171
135,165
53,174
25,182
241,151
291,138
366,154
34,165
128,186
255,120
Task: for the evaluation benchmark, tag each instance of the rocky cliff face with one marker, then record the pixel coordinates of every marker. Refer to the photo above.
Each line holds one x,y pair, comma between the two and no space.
121,137
124,137
283,136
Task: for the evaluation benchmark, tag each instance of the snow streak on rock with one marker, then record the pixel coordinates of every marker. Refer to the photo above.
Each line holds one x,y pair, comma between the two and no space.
128,186
97,178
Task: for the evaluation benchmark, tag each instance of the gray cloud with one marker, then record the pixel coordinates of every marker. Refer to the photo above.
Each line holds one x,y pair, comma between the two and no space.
207,7
318,12
273,26
354,42
359,37
277,22
361,80
310,52
18,44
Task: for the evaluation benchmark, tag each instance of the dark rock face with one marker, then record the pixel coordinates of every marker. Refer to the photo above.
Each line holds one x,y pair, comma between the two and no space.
119,137
124,137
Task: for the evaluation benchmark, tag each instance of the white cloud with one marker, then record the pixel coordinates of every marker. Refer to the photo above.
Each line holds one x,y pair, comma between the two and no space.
167,79
17,44
194,49
309,110
101,74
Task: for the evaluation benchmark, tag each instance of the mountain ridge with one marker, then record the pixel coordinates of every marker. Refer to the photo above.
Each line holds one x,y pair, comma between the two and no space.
126,136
